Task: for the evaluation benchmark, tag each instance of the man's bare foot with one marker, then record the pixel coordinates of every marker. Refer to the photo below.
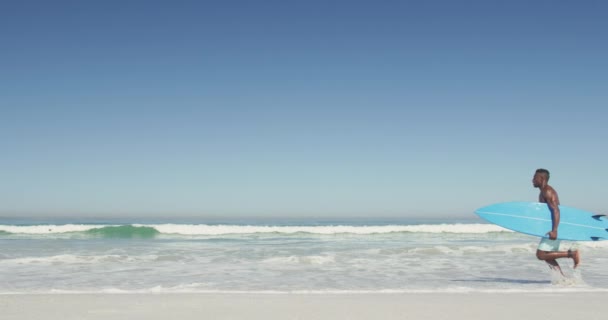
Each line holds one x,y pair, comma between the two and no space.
576,257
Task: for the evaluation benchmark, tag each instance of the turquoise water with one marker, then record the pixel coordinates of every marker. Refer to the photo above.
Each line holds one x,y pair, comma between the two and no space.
281,256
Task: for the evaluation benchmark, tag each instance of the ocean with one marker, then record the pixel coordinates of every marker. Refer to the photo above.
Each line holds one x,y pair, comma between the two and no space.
304,256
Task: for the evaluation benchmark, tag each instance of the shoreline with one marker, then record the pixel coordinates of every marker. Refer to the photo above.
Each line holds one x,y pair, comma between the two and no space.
475,305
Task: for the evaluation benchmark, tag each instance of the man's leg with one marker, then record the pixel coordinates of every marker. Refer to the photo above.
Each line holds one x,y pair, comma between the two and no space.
543,255
551,256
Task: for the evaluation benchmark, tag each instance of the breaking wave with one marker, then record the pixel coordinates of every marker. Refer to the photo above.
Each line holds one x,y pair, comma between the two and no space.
149,231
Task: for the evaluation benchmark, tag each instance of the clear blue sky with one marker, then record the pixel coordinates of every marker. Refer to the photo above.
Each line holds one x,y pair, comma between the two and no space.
296,108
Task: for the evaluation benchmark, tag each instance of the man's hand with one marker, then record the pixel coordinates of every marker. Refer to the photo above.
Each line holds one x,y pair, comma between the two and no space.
552,234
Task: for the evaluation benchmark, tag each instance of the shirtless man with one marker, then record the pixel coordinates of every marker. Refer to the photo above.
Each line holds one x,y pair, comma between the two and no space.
548,248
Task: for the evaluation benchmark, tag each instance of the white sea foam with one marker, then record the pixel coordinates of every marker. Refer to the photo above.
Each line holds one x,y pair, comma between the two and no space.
312,260
326,230
182,289
49,229
71,259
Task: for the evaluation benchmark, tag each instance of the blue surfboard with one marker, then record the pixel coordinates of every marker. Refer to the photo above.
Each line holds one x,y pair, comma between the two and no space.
534,218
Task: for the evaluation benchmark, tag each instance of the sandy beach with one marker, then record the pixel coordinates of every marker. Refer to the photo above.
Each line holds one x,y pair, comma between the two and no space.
305,306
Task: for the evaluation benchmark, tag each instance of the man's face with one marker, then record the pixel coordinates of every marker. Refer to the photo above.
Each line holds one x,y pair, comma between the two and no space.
537,180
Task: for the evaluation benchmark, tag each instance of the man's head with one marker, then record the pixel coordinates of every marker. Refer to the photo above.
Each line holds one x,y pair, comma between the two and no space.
541,177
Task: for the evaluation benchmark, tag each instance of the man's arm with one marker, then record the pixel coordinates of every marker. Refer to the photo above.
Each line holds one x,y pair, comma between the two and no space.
551,198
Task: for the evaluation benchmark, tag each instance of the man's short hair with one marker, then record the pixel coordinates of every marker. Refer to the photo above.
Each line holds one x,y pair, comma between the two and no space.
544,172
